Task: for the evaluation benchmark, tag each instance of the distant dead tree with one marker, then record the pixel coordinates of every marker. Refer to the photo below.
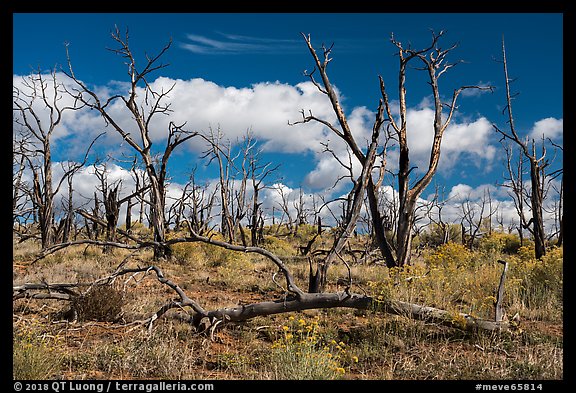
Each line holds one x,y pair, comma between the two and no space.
221,154
238,166
200,206
439,230
141,190
559,204
175,213
67,221
143,110
260,173
514,181
23,208
110,196
38,111
286,218
433,62
538,164
476,218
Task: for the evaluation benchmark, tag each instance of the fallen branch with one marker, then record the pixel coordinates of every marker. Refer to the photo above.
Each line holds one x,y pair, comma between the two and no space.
37,291
342,299
305,301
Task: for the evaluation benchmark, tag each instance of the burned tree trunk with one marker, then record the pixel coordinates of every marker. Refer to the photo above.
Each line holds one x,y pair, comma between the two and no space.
129,215
537,167
112,209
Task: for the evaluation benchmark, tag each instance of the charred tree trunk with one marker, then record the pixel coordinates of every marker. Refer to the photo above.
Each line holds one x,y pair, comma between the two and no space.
378,226
536,199
129,215
46,212
96,213
404,233
69,214
157,219
255,215
112,210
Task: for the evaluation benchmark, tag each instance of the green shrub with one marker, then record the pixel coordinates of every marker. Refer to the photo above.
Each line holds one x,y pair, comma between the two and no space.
189,254
498,242
538,283
33,358
306,232
278,246
218,256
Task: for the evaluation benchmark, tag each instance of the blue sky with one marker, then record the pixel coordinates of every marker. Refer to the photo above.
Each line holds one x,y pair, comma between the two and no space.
218,60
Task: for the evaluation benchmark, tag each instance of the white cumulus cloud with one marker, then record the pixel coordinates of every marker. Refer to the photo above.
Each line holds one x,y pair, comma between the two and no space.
549,127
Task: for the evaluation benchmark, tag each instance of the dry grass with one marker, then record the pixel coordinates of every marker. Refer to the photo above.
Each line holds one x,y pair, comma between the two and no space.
315,344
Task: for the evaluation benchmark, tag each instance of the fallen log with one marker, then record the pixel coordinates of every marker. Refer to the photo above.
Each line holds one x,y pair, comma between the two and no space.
350,300
308,301
292,302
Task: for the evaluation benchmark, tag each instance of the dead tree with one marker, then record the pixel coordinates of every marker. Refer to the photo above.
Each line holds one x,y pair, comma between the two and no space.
439,231
38,110
176,211
284,206
471,218
433,60
318,280
559,214
557,207
241,208
141,188
259,172
434,64
143,110
23,207
69,209
110,202
67,221
220,152
129,203
301,212
537,163
200,206
515,184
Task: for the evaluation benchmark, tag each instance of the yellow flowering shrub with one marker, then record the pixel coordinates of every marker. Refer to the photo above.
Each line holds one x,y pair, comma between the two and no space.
33,357
302,352
456,279
449,255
